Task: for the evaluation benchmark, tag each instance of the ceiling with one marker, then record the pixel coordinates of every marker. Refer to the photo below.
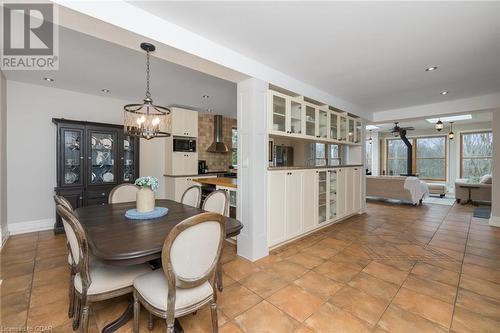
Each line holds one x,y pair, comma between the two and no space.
88,64
422,124
372,54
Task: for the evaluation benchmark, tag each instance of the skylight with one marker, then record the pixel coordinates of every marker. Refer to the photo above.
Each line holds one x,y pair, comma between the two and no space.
451,118
372,127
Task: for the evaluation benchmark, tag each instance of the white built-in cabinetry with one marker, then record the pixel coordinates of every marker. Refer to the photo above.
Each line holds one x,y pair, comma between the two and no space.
300,201
184,124
176,186
295,117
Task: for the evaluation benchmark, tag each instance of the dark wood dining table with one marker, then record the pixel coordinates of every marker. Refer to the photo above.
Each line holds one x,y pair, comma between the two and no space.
116,240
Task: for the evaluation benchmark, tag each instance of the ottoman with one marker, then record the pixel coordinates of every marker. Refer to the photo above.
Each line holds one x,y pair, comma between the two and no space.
437,188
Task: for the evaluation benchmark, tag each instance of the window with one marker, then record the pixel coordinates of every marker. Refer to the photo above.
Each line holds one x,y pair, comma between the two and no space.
234,147
369,156
318,154
475,154
396,157
335,155
430,157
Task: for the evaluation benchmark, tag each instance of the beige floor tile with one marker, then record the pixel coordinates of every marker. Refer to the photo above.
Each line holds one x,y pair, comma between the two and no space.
193,323
479,304
465,321
396,319
338,270
239,268
264,283
435,273
386,272
374,286
307,260
360,304
318,285
296,302
16,284
428,307
441,291
330,319
303,329
229,328
481,272
320,251
288,271
479,286
265,318
236,299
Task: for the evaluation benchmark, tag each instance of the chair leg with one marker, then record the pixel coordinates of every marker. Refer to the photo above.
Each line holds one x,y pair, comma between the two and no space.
76,315
137,311
218,273
84,321
215,324
151,322
170,327
71,308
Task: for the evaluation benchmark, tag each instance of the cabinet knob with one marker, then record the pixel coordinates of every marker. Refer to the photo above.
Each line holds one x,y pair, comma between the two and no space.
81,157
90,157
81,198
103,194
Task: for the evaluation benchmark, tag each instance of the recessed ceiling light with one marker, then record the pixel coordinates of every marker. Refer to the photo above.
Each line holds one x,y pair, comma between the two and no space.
372,127
205,96
444,92
48,79
106,91
430,69
450,118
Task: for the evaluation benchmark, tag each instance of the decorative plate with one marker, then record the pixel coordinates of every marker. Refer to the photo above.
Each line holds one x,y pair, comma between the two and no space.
108,177
126,144
158,212
94,141
70,177
107,143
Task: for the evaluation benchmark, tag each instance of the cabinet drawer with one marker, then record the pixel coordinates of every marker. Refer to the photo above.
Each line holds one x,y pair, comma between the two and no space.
97,201
98,194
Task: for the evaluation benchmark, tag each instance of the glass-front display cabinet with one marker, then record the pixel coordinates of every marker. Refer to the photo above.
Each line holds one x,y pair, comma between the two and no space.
350,132
334,123
323,124
296,116
322,194
358,131
310,120
92,158
332,193
343,128
279,113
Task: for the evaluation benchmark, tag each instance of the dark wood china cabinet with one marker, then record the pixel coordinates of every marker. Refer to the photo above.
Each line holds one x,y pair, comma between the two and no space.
92,158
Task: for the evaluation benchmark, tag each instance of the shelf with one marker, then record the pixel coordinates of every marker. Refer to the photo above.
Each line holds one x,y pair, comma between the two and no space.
278,114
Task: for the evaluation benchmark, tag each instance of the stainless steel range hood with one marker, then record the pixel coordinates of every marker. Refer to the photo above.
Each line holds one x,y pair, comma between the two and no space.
218,146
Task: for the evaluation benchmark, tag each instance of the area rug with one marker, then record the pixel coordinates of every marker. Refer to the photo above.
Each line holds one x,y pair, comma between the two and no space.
439,201
482,212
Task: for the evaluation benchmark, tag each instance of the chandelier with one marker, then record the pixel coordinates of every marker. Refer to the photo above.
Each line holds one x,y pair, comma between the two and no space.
146,120
439,125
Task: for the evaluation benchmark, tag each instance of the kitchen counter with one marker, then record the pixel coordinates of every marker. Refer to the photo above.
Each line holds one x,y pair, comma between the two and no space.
313,167
210,173
220,181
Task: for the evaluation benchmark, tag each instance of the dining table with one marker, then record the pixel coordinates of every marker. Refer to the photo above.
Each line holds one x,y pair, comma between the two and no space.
116,240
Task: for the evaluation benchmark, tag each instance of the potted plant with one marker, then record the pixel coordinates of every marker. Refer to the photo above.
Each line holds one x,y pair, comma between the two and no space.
145,195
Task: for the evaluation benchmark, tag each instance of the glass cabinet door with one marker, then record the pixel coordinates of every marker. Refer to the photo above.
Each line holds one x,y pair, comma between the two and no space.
102,154
332,193
343,128
296,116
279,113
323,124
358,131
310,121
129,152
72,157
334,126
322,186
350,134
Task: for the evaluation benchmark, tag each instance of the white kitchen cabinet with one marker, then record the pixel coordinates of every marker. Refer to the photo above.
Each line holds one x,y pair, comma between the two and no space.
183,163
357,131
311,119
357,189
293,198
184,122
309,200
341,188
350,130
342,128
322,124
276,207
349,191
334,126
321,195
175,186
332,194
296,117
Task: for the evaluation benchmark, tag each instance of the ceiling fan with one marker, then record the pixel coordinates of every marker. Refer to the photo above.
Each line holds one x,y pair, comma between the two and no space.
398,129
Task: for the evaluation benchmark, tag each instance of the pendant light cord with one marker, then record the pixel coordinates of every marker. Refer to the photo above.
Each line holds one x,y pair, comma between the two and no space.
148,94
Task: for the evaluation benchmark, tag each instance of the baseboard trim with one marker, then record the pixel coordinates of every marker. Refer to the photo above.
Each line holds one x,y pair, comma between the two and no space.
5,237
31,226
495,221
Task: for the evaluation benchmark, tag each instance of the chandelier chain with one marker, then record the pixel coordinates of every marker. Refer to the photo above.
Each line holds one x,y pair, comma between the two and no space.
148,94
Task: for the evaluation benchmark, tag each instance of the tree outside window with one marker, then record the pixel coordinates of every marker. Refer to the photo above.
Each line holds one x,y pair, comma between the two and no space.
475,156
396,157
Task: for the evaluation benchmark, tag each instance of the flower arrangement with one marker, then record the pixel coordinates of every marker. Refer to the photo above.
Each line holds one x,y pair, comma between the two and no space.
148,181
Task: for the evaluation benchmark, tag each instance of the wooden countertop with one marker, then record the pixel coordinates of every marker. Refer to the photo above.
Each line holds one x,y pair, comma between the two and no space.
219,181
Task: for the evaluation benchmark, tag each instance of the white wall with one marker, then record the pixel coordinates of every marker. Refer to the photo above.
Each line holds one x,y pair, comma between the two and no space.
453,146
495,199
3,160
31,147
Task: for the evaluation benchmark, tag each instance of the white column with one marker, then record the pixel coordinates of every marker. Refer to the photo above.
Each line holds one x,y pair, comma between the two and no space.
375,154
252,168
4,233
495,195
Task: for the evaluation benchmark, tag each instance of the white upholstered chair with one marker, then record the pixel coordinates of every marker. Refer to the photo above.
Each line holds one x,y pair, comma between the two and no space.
217,202
190,257
192,196
94,281
123,193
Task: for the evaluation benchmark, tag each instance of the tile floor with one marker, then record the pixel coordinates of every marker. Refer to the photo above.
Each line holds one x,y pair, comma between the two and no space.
395,269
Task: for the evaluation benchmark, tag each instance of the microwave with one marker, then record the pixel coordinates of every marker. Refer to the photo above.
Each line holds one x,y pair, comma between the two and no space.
183,144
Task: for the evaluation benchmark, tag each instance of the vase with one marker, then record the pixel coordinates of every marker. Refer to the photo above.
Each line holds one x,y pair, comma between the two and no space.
145,200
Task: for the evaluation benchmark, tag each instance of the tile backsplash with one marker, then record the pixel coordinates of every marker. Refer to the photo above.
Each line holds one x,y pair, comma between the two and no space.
215,161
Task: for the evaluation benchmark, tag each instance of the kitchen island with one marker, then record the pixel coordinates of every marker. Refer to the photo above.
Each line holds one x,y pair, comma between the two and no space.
218,182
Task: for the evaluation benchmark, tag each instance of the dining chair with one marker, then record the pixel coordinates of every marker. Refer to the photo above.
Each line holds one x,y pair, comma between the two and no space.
123,193
217,202
190,256
94,281
60,200
192,196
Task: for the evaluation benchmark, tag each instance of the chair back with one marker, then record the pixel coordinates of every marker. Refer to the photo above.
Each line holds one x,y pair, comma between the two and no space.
123,193
60,200
192,249
192,196
216,202
78,244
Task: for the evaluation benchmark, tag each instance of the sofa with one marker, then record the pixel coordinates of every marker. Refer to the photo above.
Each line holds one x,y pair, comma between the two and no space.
393,187
479,191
